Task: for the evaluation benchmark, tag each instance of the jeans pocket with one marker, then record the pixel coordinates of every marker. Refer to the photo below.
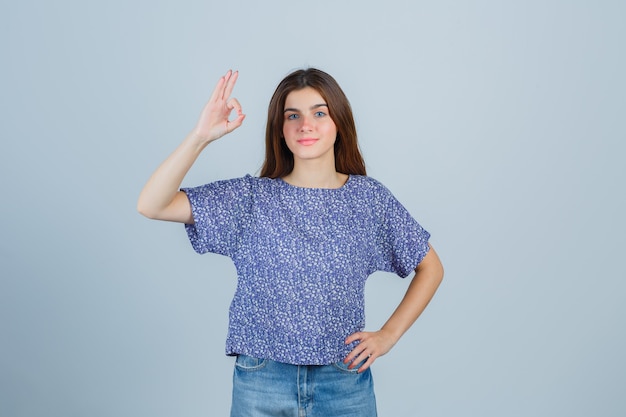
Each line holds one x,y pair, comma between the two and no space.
249,363
343,367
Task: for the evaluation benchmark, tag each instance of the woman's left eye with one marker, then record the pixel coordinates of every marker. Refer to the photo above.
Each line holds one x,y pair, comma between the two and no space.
320,114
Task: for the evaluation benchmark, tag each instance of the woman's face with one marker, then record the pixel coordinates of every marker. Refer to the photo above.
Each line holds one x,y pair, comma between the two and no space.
308,130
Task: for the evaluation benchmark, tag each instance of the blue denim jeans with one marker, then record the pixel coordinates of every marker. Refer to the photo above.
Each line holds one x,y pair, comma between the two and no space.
262,387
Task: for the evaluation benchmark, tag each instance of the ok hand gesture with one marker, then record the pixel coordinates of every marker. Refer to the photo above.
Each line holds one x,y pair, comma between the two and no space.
214,120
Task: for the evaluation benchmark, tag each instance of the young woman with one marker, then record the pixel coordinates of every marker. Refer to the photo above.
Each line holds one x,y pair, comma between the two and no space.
304,237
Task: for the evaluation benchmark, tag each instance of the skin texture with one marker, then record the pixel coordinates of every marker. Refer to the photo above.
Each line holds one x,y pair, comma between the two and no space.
424,284
160,198
308,130
310,134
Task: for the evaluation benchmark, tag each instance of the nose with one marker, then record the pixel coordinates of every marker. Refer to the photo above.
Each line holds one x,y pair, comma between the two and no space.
307,123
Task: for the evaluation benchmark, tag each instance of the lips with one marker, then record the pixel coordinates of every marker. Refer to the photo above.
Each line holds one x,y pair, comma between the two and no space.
307,141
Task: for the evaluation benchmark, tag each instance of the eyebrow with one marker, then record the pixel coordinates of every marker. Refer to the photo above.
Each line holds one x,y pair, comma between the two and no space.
312,107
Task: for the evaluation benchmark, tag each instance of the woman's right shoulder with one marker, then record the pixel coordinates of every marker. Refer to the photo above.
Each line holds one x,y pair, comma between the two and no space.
225,183
239,185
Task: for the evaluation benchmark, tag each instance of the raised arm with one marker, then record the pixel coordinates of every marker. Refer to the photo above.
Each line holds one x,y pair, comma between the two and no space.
428,276
160,198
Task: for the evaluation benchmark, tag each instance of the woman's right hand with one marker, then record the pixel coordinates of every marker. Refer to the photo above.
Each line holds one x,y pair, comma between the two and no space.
214,120
160,197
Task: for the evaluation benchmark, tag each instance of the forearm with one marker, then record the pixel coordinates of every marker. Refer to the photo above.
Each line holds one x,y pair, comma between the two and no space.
428,276
160,197
164,184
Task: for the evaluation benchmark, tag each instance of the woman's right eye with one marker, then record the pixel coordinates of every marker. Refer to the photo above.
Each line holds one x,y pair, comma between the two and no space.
292,116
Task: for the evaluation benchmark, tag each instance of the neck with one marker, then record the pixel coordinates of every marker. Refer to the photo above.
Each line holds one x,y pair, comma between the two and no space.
313,174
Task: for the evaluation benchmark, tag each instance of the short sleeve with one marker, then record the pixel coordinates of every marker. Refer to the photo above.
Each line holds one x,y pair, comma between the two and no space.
220,211
402,242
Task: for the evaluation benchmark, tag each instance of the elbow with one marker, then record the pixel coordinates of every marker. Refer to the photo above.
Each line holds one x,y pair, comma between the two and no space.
440,272
145,210
432,267
439,266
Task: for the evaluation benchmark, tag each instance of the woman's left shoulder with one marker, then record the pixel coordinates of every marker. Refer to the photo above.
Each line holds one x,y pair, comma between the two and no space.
368,183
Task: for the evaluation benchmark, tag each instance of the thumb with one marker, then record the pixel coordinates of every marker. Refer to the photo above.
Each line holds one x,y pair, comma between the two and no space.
234,124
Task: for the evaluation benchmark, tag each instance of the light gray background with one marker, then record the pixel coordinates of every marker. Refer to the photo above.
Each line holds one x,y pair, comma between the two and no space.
499,125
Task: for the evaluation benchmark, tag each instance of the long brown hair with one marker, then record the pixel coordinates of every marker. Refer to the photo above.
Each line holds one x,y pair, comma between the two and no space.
278,157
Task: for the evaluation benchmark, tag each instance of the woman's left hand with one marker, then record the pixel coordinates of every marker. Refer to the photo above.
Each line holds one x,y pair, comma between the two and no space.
371,346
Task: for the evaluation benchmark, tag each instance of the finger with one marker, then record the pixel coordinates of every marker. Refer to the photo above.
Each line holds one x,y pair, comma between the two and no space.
363,360
218,91
227,78
233,104
234,124
354,355
353,338
363,356
230,84
370,360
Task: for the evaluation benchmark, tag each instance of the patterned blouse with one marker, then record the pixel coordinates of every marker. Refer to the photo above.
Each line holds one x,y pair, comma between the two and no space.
302,257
